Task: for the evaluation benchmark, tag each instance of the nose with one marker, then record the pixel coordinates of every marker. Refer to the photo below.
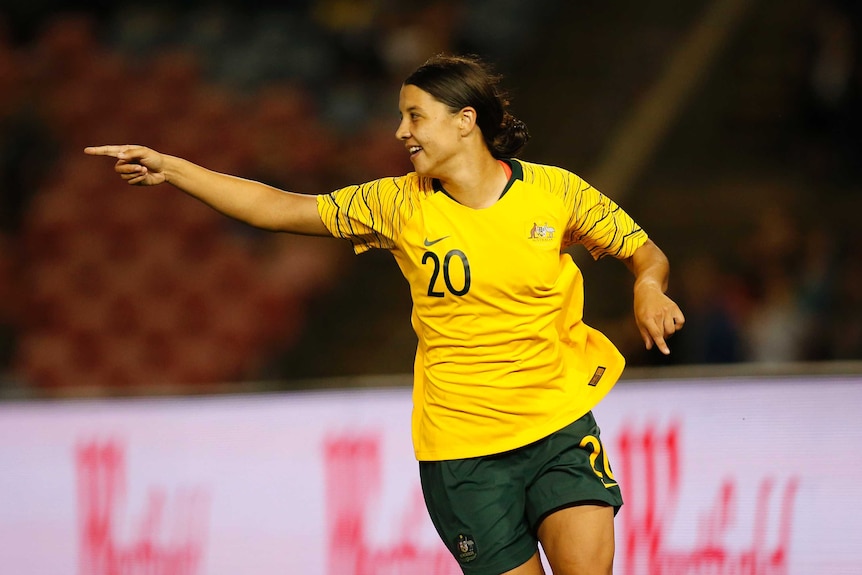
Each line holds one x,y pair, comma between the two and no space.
402,133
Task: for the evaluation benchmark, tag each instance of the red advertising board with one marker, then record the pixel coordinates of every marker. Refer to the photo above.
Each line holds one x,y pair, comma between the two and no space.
737,476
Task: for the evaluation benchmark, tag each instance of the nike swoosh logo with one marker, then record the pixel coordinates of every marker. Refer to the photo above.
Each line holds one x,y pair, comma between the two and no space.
429,243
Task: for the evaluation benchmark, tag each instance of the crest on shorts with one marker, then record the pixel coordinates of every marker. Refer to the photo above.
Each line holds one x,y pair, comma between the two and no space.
465,548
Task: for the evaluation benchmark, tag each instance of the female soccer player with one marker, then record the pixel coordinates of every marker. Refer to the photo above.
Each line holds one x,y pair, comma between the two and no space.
506,371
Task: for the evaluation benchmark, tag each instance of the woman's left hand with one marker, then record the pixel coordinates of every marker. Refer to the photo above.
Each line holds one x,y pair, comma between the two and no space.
657,316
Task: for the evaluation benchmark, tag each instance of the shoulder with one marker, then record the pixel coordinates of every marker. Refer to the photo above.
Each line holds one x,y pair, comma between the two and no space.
550,177
407,185
554,180
412,185
382,202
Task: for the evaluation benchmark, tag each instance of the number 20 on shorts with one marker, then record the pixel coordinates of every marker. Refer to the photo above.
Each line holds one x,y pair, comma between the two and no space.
595,446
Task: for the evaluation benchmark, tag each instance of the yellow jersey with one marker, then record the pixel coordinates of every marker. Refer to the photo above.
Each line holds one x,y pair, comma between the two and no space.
503,357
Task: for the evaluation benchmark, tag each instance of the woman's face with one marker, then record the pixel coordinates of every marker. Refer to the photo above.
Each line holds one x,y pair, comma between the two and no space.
429,130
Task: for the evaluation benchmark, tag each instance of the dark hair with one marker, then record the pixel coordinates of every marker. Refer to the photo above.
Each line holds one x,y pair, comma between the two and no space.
461,81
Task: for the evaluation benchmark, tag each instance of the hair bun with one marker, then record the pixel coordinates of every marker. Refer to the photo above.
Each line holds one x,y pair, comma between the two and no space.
512,137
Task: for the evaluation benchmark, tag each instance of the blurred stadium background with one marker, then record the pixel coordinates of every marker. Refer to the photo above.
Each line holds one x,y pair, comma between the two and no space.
730,129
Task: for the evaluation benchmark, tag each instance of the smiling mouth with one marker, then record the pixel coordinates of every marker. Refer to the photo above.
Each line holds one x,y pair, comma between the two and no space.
414,150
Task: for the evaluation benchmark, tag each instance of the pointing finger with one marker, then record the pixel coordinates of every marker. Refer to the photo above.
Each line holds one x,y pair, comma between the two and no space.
654,333
113,151
661,344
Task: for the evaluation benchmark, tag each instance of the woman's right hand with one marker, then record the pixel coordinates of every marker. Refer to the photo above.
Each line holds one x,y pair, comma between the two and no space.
138,165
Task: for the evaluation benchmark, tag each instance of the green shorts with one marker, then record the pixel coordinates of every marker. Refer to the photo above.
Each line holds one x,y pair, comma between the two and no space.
488,509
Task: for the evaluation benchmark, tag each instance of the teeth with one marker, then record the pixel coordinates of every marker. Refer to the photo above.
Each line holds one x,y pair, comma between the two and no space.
414,149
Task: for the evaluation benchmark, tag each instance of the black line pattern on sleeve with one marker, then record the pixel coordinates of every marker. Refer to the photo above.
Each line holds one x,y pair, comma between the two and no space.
372,215
601,225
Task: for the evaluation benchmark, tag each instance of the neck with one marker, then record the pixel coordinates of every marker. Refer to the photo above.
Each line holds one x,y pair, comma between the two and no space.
476,184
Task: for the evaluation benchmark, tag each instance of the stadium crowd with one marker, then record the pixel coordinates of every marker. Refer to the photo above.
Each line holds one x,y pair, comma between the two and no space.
118,290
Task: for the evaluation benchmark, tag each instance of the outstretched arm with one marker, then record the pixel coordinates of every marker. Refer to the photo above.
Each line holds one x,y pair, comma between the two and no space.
252,202
656,315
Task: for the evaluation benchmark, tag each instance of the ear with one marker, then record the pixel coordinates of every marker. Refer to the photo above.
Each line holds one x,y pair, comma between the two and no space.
467,120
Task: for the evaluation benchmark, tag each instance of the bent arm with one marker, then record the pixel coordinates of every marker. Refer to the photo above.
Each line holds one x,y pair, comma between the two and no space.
254,203
657,316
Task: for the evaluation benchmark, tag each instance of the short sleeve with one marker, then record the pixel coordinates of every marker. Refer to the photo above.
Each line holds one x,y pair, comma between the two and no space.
598,223
369,215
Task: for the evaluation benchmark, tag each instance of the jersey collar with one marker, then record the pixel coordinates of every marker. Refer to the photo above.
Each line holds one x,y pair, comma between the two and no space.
517,174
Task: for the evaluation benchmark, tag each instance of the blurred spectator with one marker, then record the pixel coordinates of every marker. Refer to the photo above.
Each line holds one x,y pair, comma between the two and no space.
712,332
777,328
773,328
